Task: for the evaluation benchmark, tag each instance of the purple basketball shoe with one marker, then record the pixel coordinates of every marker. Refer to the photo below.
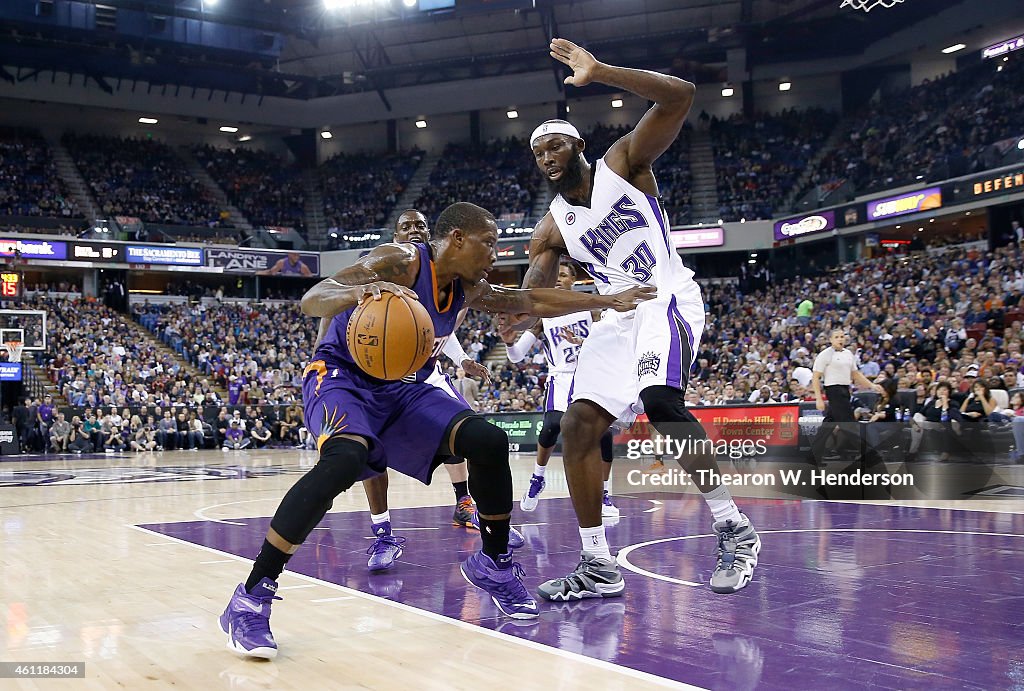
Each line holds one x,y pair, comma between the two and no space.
246,620
503,581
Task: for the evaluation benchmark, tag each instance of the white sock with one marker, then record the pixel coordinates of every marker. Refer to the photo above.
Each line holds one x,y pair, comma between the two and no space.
377,518
723,508
595,542
538,470
608,486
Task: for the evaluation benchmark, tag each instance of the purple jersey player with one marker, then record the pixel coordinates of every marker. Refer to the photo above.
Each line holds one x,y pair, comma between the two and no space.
364,425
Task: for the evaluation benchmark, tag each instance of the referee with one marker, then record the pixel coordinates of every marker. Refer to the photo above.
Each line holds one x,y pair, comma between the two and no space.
838,367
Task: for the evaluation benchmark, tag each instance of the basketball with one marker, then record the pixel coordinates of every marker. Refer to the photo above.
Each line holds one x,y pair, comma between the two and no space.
391,337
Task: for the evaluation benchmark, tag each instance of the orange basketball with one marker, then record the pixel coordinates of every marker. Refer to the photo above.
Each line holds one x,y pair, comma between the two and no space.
391,337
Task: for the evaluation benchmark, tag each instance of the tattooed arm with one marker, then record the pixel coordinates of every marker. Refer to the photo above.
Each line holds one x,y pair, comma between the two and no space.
389,268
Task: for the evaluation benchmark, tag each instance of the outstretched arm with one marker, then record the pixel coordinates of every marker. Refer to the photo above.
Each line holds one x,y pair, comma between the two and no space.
552,302
657,129
390,268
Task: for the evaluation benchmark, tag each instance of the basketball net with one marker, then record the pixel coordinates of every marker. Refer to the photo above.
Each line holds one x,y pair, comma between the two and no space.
14,350
868,5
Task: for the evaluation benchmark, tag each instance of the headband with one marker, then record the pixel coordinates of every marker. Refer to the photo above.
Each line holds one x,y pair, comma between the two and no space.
554,128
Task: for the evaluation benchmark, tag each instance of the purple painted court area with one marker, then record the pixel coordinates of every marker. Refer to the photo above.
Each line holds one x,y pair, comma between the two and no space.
845,596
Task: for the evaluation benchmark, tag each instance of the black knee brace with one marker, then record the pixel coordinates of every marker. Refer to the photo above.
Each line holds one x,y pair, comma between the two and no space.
485,446
551,429
607,446
665,408
341,463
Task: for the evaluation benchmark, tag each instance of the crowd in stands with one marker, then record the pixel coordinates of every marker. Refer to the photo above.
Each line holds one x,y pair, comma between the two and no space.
360,190
267,190
941,128
254,352
93,360
144,179
959,143
63,230
500,176
43,427
758,160
29,183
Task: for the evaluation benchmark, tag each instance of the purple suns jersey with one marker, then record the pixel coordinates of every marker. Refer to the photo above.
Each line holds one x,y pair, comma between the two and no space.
292,268
334,347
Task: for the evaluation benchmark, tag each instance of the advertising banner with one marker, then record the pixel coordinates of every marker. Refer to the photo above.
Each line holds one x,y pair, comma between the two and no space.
34,249
991,184
96,251
1003,47
514,249
690,238
909,203
772,425
803,225
522,429
164,254
10,371
264,262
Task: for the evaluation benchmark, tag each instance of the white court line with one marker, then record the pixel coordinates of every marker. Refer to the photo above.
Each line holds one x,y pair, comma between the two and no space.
333,599
289,587
201,513
575,657
158,544
623,556
218,561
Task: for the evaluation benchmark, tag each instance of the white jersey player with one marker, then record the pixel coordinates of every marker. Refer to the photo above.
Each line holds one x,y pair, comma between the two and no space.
607,216
562,338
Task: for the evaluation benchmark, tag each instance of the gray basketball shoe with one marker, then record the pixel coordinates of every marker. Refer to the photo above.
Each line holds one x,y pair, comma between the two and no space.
738,546
592,577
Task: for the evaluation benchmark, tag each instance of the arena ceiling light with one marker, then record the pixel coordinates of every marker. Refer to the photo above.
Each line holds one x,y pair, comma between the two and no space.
727,91
616,103
245,138
954,48
228,129
421,124
512,114
326,134
785,85
409,3
148,121
1020,145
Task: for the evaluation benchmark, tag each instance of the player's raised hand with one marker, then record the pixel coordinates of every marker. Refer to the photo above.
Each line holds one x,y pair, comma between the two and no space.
629,299
475,369
375,289
580,60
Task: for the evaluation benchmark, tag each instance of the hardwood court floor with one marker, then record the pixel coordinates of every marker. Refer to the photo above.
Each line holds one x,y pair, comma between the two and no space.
125,562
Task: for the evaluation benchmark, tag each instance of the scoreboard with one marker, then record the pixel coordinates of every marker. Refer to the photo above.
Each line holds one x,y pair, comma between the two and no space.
10,285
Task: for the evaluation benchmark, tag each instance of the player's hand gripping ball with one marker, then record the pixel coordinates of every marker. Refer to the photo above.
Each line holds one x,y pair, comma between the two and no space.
391,337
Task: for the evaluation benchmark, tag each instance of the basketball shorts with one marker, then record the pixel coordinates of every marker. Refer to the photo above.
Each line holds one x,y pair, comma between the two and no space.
556,396
403,423
625,353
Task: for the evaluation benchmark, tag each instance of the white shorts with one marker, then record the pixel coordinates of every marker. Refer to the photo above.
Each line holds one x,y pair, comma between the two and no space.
556,391
625,353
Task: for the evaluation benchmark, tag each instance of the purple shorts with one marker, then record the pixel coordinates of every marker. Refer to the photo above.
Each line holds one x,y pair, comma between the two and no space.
404,423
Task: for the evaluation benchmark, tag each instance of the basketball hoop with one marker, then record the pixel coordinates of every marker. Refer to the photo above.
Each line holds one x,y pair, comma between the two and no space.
14,350
868,5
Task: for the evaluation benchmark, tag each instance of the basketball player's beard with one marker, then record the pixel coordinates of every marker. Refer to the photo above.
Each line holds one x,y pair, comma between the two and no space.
571,178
